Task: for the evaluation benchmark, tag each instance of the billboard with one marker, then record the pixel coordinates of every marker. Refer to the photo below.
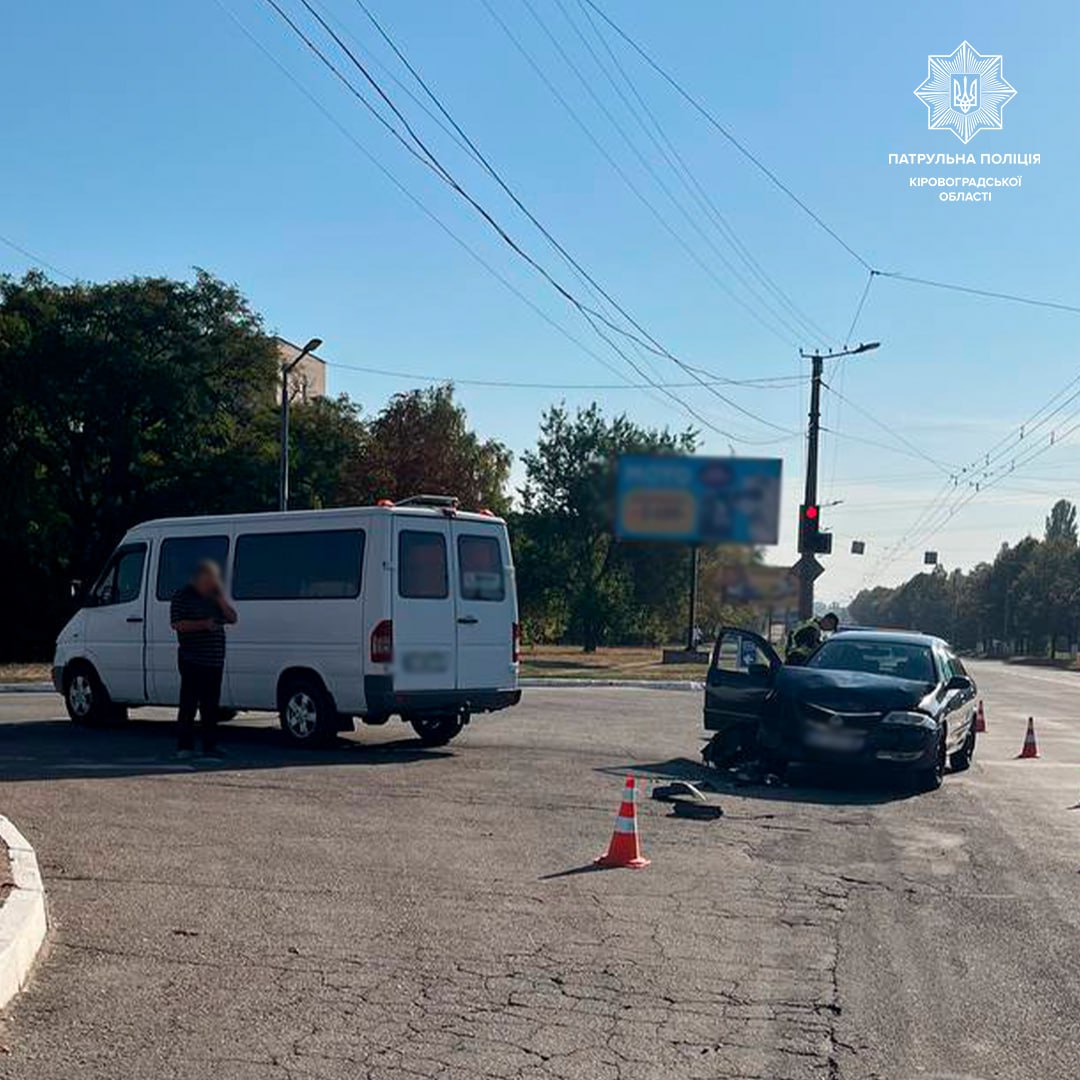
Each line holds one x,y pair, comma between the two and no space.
706,500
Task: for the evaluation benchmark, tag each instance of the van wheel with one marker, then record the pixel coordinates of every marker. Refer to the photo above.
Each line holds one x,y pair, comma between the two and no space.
307,712
436,730
85,697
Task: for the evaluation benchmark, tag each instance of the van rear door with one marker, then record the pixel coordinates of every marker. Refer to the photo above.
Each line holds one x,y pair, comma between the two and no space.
486,606
425,630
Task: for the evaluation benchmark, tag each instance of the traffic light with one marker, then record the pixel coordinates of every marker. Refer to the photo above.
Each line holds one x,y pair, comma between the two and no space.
809,526
812,541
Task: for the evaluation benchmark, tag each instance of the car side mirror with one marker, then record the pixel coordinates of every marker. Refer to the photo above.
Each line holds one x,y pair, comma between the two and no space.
960,682
76,589
759,671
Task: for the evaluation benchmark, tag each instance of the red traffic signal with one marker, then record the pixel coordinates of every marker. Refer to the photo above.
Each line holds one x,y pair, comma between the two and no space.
811,539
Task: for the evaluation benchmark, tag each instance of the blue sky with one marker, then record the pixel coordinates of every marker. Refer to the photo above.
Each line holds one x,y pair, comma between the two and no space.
148,139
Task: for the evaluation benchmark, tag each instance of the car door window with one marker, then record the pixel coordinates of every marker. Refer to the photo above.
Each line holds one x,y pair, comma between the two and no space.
121,580
422,573
480,568
740,654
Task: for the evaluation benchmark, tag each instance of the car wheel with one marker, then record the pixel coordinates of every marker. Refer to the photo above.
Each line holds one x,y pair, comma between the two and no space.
930,778
961,760
308,716
436,730
85,696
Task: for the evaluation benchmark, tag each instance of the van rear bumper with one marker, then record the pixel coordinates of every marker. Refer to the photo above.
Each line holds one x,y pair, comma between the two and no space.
382,699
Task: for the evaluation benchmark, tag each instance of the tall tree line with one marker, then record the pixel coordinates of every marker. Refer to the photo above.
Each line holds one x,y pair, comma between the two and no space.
1026,601
151,397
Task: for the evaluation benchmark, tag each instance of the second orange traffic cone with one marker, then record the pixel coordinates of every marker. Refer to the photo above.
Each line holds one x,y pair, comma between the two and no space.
980,718
625,847
1030,748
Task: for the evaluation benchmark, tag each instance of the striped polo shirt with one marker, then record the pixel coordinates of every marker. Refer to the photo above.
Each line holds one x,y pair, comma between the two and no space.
206,647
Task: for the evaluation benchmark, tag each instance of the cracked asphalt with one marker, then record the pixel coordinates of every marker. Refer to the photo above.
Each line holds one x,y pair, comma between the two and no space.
388,912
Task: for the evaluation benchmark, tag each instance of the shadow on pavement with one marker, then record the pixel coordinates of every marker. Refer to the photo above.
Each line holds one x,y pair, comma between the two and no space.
58,749
805,783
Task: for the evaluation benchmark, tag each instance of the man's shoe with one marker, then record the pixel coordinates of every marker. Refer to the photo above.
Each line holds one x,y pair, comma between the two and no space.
184,754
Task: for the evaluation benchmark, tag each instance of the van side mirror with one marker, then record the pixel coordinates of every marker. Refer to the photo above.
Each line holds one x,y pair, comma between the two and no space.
960,682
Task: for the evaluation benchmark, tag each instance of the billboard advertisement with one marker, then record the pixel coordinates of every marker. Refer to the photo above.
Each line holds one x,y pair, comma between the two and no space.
697,500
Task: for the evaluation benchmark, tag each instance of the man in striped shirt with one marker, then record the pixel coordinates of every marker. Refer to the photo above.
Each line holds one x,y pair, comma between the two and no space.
198,614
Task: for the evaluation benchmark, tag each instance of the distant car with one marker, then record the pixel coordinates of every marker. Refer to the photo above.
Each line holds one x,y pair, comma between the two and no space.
865,697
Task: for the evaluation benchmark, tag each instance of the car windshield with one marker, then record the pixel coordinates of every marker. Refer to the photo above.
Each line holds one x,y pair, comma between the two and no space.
902,659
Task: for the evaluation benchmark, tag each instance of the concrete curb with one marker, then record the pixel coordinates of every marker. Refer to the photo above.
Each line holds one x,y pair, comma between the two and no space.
22,915
611,684
27,688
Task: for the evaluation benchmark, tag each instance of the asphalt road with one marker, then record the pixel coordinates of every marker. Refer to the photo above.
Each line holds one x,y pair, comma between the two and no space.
385,911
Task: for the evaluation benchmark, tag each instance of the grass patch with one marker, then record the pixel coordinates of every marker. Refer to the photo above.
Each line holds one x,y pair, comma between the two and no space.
569,662
25,673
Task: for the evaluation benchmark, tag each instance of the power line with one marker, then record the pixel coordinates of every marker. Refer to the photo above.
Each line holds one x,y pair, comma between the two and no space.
420,205
672,161
694,186
1032,301
36,259
745,151
890,430
858,310
666,225
779,383
591,315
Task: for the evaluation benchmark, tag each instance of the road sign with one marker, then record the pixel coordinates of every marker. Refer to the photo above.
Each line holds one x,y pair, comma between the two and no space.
697,500
815,568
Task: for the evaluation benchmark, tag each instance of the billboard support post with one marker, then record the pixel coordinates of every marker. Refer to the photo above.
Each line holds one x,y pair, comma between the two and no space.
691,644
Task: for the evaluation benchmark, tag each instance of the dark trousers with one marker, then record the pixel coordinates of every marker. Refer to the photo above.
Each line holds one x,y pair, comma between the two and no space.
200,689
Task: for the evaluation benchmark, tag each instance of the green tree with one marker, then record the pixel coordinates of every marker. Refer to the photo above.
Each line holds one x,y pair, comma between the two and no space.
123,401
1061,523
573,577
421,443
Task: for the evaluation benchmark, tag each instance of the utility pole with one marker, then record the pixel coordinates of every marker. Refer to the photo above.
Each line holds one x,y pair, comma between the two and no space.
286,371
808,566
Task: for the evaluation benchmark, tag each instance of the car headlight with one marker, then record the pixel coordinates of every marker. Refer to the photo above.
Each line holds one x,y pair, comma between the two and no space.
909,719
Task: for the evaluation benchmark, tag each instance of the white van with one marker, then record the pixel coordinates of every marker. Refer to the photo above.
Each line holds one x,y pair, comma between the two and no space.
404,609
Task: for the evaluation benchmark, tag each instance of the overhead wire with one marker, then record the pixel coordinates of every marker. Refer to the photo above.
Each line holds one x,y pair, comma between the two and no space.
592,316
698,190
36,259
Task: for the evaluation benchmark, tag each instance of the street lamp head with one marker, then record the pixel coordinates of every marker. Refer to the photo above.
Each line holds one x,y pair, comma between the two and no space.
312,345
867,346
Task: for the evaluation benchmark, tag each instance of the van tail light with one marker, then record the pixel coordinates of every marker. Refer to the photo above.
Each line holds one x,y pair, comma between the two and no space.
515,643
382,643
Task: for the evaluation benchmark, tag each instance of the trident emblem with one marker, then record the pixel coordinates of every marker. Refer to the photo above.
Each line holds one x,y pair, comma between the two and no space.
965,96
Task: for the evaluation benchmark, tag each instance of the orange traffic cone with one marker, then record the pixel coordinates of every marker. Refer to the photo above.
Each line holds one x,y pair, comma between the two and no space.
1031,748
625,848
980,718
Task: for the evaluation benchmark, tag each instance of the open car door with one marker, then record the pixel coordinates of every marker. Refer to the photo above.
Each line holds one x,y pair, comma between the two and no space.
740,680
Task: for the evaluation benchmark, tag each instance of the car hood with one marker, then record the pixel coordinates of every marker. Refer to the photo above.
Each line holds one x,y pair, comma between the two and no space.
849,691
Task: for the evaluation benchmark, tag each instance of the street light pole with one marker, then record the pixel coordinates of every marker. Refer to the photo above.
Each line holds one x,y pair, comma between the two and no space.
286,371
808,567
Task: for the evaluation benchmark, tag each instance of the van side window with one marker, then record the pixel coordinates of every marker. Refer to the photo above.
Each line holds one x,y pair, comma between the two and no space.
480,568
422,573
179,557
121,580
321,565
